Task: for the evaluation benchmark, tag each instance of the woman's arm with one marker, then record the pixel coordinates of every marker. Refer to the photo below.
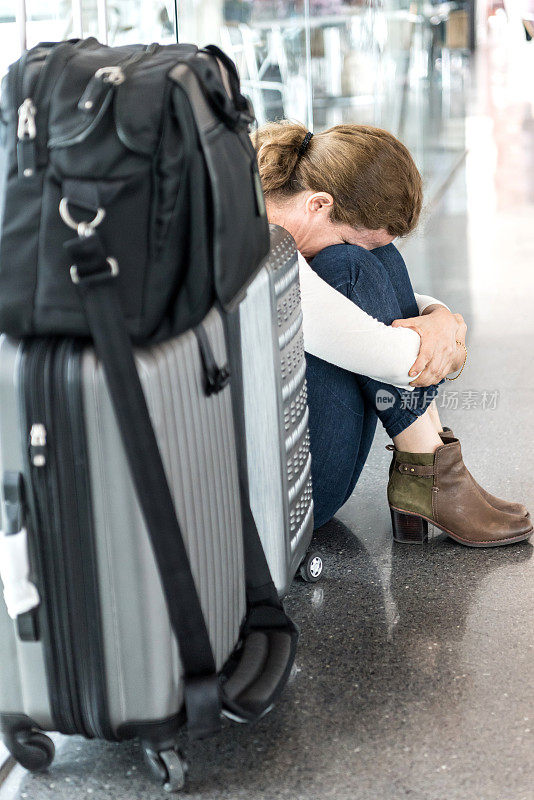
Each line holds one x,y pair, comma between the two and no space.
338,331
426,304
442,343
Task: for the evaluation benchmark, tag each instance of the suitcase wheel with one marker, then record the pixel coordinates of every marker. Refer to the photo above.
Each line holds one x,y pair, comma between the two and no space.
31,748
168,767
311,567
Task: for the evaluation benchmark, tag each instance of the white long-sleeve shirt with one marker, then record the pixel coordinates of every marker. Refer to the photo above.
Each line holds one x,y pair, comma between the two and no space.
338,331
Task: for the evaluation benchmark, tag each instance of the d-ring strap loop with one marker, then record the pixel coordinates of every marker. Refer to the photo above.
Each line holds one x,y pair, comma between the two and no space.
113,265
83,228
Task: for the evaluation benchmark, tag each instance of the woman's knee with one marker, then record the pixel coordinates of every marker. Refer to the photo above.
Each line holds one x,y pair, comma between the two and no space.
362,277
374,291
397,270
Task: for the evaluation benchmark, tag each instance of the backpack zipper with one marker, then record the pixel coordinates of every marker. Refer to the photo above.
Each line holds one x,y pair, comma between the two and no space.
26,126
111,77
27,107
26,135
104,82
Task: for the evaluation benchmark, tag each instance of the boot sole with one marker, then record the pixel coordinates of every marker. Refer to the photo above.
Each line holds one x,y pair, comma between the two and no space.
512,540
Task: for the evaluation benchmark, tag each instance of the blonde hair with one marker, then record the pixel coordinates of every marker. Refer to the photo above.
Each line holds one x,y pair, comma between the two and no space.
369,173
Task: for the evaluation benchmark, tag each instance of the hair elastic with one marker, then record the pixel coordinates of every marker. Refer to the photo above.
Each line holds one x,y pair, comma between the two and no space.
305,142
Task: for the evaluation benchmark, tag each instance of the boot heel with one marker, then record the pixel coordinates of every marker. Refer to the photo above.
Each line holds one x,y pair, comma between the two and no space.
408,528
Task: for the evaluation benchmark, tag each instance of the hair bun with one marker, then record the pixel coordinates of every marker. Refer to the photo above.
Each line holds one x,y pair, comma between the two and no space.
370,175
278,148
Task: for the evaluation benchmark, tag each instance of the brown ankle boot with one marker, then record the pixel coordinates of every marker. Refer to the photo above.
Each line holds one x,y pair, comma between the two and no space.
437,488
502,505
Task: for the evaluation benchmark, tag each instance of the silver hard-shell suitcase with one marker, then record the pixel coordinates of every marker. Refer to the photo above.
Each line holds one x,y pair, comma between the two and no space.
105,662
272,370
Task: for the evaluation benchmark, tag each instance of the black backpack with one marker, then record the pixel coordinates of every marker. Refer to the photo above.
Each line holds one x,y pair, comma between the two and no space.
150,147
132,204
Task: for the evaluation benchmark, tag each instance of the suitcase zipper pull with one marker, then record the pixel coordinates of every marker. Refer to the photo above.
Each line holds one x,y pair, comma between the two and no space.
26,135
38,444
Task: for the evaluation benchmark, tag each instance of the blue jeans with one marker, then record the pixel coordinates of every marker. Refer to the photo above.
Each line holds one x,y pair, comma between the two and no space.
344,407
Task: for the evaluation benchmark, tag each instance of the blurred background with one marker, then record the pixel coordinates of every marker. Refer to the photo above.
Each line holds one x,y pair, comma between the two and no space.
391,63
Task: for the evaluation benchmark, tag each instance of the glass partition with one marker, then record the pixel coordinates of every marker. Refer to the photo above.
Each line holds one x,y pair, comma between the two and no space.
24,23
398,64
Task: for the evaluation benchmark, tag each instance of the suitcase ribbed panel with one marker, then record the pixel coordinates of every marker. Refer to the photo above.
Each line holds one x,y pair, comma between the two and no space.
197,441
262,424
283,266
275,399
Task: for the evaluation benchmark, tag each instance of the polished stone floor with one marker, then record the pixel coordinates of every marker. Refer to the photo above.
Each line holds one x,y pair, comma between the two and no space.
415,673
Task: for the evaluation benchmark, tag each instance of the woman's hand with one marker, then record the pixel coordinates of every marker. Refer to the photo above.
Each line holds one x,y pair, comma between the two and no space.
439,354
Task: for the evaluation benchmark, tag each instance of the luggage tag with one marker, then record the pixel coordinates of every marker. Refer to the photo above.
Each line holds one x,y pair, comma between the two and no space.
258,191
20,594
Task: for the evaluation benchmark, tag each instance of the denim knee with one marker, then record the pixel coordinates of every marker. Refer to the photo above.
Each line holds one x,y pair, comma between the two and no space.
362,277
397,270
378,282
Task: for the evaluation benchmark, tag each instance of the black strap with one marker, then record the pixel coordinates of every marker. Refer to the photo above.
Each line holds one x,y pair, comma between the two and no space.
216,377
240,101
102,308
235,111
260,587
259,669
255,677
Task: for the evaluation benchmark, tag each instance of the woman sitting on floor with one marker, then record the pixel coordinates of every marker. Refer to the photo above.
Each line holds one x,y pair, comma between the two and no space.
344,195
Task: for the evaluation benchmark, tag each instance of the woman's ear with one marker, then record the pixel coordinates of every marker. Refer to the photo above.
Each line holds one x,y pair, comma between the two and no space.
321,202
